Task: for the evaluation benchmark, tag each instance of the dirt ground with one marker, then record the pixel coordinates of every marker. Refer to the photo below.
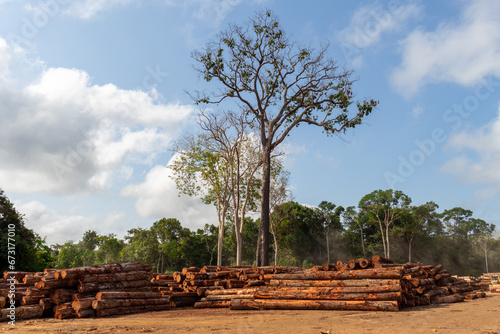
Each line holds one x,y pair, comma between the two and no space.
477,316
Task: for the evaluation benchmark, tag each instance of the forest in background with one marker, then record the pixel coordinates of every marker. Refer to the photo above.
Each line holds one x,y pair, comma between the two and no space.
383,221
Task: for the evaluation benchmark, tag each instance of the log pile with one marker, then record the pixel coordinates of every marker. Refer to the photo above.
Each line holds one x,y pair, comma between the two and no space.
375,284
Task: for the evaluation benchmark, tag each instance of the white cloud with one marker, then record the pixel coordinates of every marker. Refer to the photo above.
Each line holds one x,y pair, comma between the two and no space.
157,197
479,162
62,134
57,227
461,52
210,10
370,22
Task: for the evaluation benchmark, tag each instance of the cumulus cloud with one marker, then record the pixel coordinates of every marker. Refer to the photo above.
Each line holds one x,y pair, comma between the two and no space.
85,9
479,159
57,227
156,197
209,10
370,22
62,134
462,52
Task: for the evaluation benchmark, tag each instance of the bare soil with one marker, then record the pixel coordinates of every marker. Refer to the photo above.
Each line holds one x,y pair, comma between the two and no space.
477,316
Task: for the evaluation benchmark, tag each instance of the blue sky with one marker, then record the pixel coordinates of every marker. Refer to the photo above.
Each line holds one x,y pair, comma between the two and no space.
93,92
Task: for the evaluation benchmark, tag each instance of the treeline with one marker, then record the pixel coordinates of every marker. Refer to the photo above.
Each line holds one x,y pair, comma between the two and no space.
384,222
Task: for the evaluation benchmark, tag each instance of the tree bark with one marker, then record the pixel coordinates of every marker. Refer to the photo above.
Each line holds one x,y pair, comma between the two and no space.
113,303
326,295
263,241
348,274
263,304
366,283
22,312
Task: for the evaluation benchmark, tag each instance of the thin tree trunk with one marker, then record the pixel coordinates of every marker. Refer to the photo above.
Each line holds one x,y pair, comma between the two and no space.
388,255
383,236
409,249
263,257
327,246
486,259
362,239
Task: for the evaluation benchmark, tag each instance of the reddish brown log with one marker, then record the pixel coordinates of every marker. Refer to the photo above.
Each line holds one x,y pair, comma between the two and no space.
363,263
229,297
88,313
36,292
82,304
190,270
46,304
105,268
336,283
22,312
213,304
60,296
260,304
113,303
90,287
56,284
3,301
164,277
448,299
319,295
113,277
30,300
31,279
380,259
130,310
126,295
19,275
348,274
65,313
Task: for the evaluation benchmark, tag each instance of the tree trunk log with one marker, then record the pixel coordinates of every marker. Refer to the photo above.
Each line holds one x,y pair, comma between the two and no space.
114,277
319,295
88,313
213,304
113,303
336,283
21,312
264,304
104,268
127,295
130,310
332,275
91,287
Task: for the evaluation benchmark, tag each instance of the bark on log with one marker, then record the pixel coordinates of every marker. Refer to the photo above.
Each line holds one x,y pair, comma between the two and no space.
213,304
113,303
82,304
130,310
30,300
318,295
104,268
335,283
126,295
3,301
60,296
21,312
114,277
31,279
448,299
380,259
91,287
19,275
46,304
335,275
88,313
65,313
229,297
265,304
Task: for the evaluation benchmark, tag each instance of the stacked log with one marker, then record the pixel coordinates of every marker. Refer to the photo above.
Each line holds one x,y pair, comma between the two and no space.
109,303
344,289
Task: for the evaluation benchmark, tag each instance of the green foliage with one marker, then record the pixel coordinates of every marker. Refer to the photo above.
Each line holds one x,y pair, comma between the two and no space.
27,249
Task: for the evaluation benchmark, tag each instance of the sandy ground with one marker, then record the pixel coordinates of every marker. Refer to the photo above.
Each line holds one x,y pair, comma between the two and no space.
477,316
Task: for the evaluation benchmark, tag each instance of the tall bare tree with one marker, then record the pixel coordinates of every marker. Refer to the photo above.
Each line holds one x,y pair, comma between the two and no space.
282,84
